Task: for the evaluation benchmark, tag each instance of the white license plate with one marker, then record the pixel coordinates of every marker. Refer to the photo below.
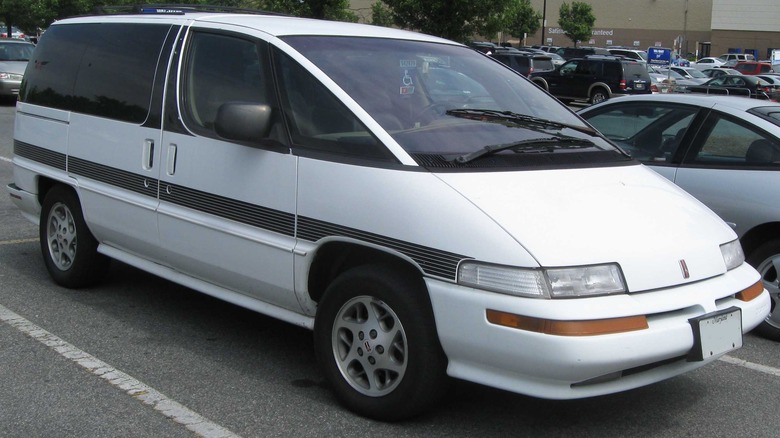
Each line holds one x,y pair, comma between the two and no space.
716,333
639,85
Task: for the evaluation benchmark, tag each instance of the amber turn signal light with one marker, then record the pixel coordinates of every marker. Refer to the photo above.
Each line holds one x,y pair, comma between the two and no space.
568,328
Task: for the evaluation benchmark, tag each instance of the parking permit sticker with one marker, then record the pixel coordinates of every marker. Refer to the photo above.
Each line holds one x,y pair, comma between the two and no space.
408,72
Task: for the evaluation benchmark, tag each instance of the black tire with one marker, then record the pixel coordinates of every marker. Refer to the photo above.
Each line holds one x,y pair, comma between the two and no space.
69,250
765,259
375,340
598,95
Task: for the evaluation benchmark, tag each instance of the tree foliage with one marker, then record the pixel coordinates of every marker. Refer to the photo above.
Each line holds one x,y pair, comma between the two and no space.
380,15
452,19
576,21
522,18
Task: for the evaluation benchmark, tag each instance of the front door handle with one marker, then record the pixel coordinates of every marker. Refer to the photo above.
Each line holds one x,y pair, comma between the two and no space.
171,167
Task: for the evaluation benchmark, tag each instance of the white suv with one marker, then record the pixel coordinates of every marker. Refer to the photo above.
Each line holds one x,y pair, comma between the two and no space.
731,59
424,209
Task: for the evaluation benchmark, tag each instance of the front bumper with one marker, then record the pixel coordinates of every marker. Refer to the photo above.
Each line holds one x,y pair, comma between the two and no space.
566,367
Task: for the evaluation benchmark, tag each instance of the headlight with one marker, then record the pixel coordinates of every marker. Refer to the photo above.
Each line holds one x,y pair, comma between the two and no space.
581,281
732,254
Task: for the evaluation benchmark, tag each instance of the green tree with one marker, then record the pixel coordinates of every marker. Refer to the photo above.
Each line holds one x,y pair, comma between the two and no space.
576,21
452,19
522,19
324,9
380,15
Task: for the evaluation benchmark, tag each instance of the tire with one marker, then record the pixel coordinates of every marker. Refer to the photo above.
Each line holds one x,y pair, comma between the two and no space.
766,259
69,250
598,95
375,340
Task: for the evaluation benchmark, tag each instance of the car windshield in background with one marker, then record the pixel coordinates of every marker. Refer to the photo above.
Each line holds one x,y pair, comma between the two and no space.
410,88
16,51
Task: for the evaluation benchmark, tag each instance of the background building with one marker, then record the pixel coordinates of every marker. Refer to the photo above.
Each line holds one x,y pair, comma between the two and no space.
697,27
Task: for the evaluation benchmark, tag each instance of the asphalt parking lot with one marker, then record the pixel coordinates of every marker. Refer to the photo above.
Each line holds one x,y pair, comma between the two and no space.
140,356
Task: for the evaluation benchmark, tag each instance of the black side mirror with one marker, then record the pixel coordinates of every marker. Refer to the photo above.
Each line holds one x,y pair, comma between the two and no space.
243,121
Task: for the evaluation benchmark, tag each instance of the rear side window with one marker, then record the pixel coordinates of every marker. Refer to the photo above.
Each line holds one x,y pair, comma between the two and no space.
105,70
543,64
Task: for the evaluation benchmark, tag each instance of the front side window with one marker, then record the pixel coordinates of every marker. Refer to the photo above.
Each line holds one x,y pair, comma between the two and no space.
222,69
729,143
319,121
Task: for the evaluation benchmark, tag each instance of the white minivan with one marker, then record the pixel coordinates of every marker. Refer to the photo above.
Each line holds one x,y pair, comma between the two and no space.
425,210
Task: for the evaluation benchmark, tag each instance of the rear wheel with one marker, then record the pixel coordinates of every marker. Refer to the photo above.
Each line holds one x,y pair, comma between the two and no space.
376,342
766,259
69,249
598,95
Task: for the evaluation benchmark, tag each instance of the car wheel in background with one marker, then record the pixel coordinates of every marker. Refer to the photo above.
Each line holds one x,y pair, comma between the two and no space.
598,95
766,259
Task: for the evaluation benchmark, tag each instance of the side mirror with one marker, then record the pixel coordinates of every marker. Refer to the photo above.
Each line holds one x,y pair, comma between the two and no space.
243,121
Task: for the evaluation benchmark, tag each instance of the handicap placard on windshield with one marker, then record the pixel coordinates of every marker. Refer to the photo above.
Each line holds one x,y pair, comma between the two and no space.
659,55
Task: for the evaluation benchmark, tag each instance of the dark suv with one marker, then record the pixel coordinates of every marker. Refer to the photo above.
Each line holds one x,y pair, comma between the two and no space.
568,53
595,79
523,62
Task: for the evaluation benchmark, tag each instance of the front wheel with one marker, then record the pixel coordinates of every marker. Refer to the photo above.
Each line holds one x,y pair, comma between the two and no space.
68,247
376,342
766,260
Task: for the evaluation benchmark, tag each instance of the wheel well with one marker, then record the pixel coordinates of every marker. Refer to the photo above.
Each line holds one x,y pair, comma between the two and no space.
44,185
334,258
759,235
541,83
603,87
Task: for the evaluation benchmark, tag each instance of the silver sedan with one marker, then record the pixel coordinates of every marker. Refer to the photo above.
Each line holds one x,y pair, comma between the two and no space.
723,150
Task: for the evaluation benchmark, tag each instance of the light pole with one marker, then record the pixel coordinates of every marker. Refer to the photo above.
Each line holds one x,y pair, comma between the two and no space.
544,19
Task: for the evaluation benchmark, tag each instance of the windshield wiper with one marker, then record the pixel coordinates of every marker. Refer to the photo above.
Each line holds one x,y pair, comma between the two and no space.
515,118
549,144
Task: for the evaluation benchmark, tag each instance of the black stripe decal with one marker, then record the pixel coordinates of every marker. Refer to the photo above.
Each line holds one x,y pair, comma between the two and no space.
39,154
239,211
433,261
115,177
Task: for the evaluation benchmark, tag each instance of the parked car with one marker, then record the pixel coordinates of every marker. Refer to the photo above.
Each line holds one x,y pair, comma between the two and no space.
736,85
679,83
753,67
731,59
14,55
690,74
484,46
307,170
568,53
15,32
525,63
595,78
661,83
557,59
719,71
708,62
723,150
773,79
637,55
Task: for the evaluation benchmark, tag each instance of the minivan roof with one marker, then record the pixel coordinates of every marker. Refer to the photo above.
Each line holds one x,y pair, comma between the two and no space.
275,25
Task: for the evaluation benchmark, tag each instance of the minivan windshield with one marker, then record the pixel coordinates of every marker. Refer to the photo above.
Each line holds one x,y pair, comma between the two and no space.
411,89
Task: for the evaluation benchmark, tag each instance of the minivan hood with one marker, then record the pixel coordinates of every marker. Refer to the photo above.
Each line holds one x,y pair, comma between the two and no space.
625,214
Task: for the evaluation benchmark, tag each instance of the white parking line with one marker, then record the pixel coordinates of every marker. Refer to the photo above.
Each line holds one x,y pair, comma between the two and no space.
752,366
6,159
16,241
135,388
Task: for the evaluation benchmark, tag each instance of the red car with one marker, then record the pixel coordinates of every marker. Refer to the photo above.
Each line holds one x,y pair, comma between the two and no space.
753,67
